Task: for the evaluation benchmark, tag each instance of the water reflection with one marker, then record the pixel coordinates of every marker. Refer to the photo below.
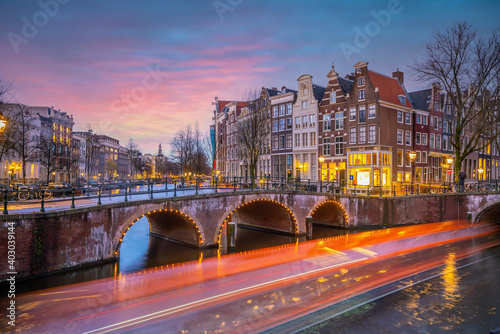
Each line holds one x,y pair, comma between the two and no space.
139,250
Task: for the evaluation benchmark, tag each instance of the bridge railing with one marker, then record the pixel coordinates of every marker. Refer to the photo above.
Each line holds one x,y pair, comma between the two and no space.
38,198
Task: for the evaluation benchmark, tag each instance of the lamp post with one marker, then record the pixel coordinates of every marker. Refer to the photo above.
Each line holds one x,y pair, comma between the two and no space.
412,155
53,176
321,160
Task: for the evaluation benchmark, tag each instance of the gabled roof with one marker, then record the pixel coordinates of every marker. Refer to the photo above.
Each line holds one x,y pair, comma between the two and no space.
345,85
318,92
272,92
389,88
421,99
222,104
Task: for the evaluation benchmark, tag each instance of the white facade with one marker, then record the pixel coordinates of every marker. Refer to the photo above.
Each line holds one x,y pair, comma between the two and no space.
305,130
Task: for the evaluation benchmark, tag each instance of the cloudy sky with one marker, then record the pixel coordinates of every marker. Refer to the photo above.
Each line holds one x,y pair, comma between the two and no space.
145,69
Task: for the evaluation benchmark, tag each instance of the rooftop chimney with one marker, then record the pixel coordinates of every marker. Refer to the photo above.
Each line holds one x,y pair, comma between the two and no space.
399,75
274,88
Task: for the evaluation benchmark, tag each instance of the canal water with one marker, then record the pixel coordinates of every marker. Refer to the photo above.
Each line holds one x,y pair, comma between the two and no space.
465,301
140,251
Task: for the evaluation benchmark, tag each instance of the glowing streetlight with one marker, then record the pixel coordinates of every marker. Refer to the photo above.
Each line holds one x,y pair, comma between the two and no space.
412,156
3,124
321,160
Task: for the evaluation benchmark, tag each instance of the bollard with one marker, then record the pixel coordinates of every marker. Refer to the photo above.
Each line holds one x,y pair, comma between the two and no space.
309,227
6,194
73,198
231,235
406,189
42,208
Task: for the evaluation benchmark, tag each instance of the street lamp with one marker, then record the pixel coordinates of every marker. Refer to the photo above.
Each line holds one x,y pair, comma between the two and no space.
53,176
321,160
3,123
449,161
412,155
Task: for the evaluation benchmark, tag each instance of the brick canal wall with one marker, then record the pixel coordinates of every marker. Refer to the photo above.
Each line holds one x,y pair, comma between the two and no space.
64,239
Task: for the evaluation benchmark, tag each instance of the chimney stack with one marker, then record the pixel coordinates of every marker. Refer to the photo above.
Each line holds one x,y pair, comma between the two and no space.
399,75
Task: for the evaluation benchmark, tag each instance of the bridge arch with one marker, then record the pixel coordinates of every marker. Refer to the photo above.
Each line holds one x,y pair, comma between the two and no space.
489,212
329,212
179,231
258,213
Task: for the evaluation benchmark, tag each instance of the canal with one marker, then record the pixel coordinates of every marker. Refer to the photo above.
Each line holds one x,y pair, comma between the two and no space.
460,297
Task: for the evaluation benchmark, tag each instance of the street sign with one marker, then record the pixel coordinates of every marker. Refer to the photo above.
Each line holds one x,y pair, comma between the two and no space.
351,177
450,170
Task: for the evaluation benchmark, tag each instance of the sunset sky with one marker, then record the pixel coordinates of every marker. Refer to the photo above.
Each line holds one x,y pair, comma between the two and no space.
145,69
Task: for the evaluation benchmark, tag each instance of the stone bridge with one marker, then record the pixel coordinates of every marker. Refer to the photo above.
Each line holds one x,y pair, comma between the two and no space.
56,240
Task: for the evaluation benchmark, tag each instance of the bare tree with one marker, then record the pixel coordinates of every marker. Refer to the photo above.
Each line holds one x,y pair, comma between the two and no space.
47,154
254,128
92,152
136,165
24,141
9,112
189,150
467,66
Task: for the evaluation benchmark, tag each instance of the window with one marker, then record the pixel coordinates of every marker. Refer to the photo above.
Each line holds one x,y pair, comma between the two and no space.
313,138
402,99
275,143
352,114
448,109
282,142
371,134
438,141
361,94
400,158
436,106
275,126
362,134
408,138
417,138
418,119
400,116
304,121
431,140
352,135
424,157
436,123
275,111
407,118
361,81
289,109
400,137
339,145
288,141
418,157
289,123
297,140
304,139
445,142
339,120
312,120
424,119
326,123
362,114
297,122
424,138
371,111
326,146
305,104
282,124
407,159
333,97
282,110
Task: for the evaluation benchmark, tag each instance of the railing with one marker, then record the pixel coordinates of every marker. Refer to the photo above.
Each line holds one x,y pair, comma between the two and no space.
126,191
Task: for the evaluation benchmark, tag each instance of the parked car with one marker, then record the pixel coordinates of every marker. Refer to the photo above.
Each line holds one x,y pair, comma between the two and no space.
19,186
56,185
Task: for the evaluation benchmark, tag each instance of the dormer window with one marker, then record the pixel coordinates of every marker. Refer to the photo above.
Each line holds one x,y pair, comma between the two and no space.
402,99
361,81
333,97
